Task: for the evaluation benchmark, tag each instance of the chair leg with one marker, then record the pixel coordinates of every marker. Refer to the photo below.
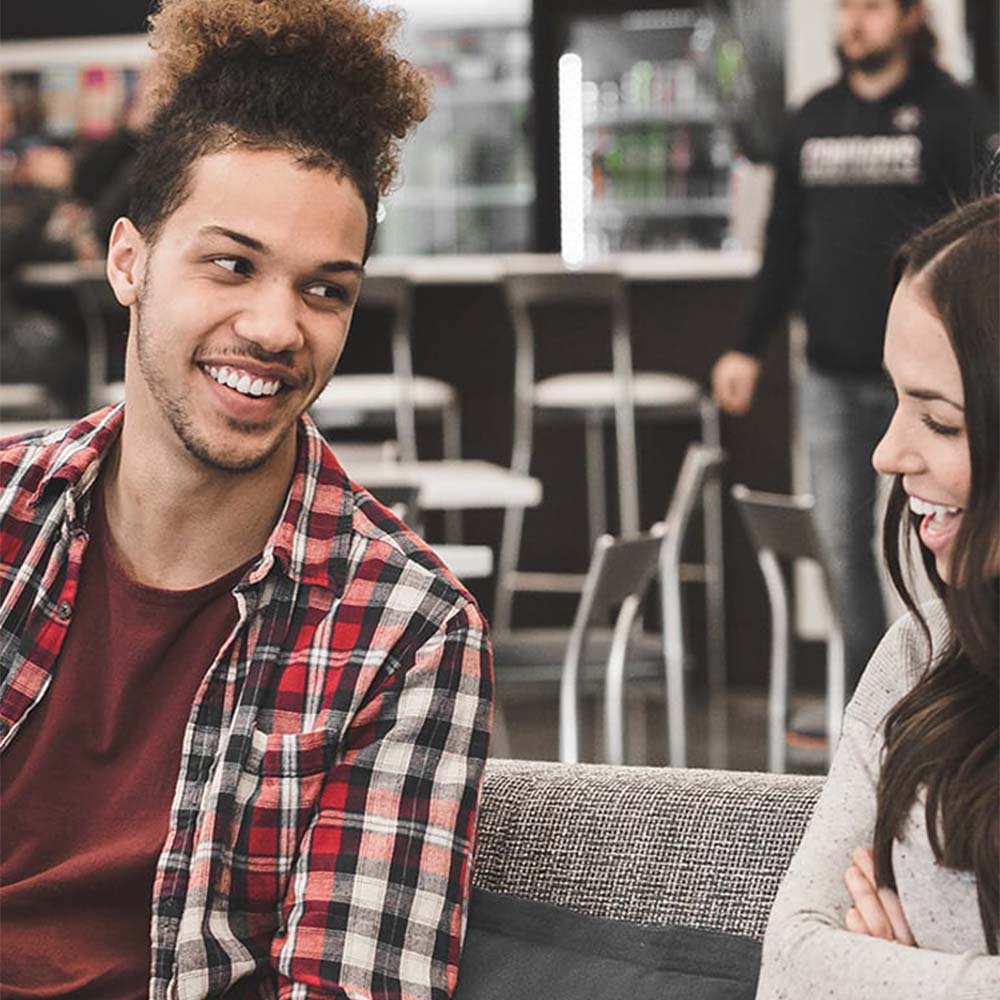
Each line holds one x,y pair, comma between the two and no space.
614,683
500,742
715,598
597,510
451,434
513,521
510,546
673,648
628,472
777,709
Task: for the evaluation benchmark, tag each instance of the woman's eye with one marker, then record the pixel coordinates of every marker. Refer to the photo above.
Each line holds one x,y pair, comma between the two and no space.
943,429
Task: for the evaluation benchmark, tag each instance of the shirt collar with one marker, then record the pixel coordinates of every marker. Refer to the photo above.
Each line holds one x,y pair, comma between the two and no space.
312,538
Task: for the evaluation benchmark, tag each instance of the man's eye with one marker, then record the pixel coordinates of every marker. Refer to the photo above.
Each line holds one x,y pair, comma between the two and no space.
235,265
333,292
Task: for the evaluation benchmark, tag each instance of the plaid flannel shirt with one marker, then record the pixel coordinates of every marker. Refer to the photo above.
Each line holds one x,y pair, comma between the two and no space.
321,831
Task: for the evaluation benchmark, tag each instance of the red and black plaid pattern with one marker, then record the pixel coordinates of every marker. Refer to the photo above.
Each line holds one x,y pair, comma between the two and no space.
321,831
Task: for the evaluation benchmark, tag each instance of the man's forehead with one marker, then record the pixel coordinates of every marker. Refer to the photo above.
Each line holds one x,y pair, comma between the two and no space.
273,197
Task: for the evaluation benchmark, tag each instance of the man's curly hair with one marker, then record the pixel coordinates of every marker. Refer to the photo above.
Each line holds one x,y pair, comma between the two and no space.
314,77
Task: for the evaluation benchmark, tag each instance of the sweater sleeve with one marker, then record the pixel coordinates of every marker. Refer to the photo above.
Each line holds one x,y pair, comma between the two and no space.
774,288
807,950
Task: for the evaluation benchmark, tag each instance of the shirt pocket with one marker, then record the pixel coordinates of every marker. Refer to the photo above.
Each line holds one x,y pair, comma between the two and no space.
278,792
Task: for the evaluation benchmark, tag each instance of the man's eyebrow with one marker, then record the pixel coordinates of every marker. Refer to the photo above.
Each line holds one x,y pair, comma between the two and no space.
326,267
929,395
231,234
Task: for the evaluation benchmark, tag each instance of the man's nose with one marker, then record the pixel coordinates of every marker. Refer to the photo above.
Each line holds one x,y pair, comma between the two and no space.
271,318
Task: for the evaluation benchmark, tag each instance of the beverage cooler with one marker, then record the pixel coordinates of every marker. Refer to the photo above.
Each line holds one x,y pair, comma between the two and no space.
642,112
467,182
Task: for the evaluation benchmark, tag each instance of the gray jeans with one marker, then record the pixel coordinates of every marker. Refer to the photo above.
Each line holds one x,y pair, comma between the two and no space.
842,418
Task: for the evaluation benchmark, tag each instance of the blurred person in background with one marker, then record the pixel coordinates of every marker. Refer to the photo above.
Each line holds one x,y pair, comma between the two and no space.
104,169
35,182
884,151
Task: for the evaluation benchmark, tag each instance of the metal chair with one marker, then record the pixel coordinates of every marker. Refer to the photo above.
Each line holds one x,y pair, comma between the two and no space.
781,527
594,399
590,655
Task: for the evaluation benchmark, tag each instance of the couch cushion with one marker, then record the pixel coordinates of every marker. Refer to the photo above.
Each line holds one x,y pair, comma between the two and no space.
685,847
516,949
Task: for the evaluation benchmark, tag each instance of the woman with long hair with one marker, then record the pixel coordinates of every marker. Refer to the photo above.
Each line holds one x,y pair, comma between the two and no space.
894,889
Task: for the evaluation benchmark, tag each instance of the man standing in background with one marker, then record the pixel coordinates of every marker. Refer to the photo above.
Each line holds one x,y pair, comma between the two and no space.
889,147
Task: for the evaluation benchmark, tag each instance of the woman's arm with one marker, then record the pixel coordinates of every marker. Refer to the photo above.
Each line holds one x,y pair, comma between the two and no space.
808,950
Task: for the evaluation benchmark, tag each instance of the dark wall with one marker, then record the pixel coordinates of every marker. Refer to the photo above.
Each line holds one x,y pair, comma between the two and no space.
62,18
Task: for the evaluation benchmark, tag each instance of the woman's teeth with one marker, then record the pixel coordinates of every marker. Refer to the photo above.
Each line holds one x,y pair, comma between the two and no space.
939,512
243,382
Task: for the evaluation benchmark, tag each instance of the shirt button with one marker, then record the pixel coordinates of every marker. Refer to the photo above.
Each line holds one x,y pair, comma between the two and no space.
64,611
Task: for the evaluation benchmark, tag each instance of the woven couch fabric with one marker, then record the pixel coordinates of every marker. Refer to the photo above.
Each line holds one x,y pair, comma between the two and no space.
659,846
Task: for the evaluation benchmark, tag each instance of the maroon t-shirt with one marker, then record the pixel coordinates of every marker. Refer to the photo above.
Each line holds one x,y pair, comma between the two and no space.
87,783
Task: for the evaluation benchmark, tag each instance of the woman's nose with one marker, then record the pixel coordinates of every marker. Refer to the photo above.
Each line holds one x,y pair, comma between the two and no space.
896,454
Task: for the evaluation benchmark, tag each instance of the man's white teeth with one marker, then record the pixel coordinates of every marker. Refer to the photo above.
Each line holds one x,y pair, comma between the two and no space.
937,510
243,382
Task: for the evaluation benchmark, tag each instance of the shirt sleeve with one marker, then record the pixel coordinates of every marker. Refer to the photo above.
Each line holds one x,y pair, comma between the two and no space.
376,905
775,286
807,950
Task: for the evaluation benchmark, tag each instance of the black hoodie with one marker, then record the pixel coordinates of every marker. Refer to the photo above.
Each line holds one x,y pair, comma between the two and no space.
853,180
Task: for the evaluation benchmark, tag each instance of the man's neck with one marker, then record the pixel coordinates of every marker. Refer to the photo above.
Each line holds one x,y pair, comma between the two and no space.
178,524
875,86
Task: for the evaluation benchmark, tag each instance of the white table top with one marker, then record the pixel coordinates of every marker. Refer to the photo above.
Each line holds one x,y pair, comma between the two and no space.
467,562
465,484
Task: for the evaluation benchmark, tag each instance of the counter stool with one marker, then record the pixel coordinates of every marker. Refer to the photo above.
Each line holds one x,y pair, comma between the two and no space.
781,528
595,399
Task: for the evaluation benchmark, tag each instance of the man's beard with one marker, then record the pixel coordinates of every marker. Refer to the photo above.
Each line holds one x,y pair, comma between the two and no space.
869,64
177,415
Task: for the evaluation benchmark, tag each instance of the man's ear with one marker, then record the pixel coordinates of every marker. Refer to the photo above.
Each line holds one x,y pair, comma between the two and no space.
126,261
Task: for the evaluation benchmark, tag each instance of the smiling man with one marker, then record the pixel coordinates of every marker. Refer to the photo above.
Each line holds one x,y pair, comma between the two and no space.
243,711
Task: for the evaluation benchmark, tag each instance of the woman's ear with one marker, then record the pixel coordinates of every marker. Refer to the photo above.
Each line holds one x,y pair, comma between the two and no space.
126,261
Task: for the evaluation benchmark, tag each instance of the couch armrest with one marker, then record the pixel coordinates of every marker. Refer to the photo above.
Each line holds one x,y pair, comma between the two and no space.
650,845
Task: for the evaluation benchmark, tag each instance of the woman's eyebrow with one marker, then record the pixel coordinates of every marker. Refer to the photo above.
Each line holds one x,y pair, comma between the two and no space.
928,395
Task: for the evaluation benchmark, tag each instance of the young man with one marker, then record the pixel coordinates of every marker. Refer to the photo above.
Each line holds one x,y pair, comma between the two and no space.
244,711
865,163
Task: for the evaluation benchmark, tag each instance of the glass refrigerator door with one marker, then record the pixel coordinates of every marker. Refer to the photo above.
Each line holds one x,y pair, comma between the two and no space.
646,140
467,184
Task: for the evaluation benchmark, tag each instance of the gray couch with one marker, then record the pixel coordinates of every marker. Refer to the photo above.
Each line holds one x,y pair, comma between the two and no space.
656,846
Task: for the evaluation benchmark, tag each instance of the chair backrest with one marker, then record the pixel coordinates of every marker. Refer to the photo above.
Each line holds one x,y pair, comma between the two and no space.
700,461
780,523
619,568
525,292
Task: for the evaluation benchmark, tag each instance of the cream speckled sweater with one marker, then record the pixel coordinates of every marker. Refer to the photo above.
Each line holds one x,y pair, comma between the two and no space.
808,954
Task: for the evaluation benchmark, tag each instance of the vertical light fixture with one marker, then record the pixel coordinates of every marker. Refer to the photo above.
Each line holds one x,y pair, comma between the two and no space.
571,159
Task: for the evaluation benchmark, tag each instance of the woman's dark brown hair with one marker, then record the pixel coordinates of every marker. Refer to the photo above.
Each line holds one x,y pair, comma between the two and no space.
944,736
316,78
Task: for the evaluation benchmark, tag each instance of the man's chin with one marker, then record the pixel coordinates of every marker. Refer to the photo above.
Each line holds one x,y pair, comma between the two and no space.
869,63
240,456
